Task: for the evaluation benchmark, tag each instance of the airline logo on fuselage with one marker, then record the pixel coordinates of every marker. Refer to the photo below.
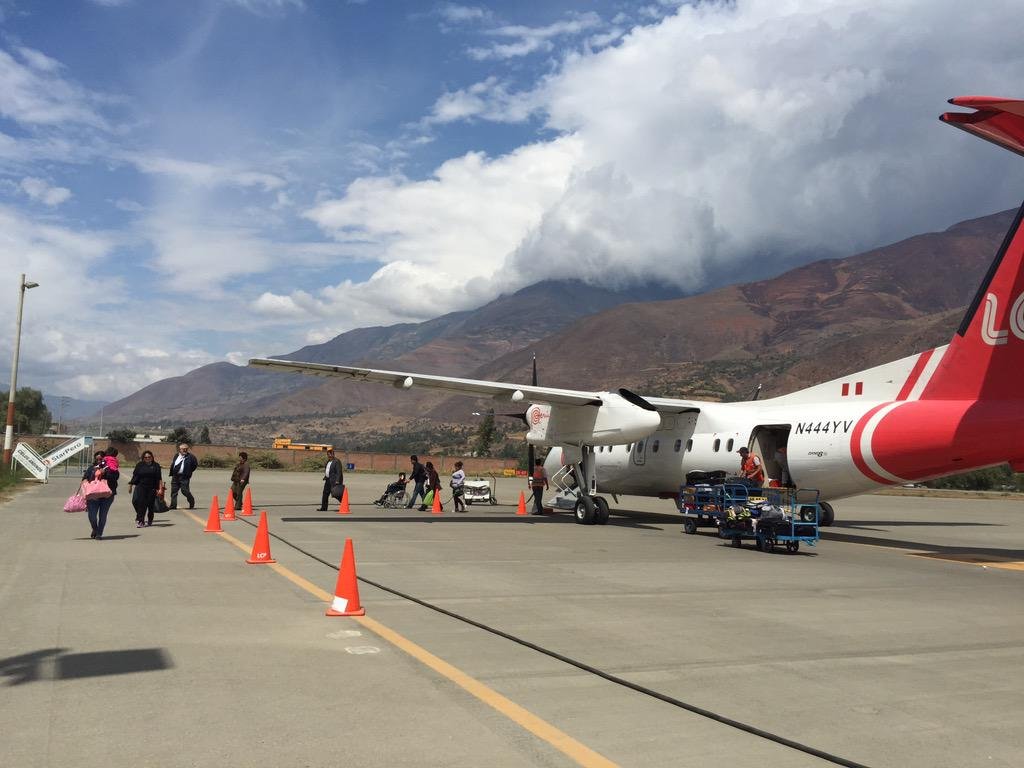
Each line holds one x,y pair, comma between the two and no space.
989,334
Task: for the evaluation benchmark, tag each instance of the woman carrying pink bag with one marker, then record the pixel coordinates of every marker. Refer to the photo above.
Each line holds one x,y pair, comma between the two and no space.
95,477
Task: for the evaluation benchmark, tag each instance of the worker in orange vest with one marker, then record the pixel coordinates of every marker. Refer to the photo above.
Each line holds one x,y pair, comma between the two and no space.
751,468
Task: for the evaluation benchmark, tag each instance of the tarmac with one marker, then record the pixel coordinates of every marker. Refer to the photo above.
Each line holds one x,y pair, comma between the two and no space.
897,641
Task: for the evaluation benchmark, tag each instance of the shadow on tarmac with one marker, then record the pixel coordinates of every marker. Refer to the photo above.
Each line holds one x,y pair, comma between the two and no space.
975,552
461,517
58,664
868,525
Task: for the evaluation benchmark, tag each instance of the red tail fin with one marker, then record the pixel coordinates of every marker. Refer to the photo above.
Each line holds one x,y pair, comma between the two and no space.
985,359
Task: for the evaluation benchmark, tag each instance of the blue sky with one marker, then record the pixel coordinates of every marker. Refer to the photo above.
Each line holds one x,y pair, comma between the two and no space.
211,180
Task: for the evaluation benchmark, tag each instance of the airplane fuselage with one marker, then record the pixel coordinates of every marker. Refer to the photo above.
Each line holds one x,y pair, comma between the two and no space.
843,449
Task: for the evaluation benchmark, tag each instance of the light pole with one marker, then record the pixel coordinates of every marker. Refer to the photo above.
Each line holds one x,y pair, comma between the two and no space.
9,433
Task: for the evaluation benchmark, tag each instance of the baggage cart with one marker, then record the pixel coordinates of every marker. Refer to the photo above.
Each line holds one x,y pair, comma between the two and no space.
479,491
768,516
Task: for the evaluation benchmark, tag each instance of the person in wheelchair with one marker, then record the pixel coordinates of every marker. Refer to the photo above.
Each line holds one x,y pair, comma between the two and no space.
395,489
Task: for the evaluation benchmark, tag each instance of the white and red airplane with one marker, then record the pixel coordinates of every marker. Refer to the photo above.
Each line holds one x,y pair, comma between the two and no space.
946,410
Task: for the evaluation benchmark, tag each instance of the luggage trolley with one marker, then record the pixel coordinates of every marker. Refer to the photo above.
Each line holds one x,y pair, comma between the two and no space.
479,491
768,516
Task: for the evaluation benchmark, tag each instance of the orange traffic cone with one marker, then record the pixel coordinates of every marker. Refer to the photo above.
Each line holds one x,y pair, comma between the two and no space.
343,508
261,544
213,521
247,503
346,592
435,508
521,509
229,506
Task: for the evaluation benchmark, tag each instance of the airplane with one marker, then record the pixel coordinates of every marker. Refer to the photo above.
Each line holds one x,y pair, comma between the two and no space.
943,411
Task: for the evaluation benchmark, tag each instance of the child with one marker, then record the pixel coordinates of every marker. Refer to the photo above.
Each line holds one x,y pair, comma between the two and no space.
110,460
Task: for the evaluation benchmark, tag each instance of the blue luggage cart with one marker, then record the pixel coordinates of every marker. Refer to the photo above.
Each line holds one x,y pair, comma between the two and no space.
767,516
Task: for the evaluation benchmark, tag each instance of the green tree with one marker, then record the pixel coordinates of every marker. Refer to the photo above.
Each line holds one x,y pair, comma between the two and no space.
121,435
204,435
485,435
179,435
31,416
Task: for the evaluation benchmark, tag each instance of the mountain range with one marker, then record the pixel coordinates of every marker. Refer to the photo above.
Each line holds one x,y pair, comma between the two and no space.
810,324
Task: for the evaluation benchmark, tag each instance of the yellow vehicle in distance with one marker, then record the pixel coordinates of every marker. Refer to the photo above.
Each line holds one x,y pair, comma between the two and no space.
286,442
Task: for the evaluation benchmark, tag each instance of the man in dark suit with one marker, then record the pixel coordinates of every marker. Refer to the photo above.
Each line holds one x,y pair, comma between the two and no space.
332,477
182,467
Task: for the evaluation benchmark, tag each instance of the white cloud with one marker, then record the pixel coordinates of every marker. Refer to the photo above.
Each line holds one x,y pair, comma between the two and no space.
440,239
729,131
454,13
41,191
263,7
489,99
125,204
202,174
526,40
34,93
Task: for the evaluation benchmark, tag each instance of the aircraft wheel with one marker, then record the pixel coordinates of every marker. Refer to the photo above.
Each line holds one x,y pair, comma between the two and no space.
585,510
689,526
601,511
827,516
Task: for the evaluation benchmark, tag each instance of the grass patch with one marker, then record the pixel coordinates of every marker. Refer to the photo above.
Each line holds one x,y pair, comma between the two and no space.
9,479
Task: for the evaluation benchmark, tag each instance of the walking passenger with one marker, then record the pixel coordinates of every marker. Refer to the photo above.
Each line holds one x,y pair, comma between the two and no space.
458,483
182,467
418,475
99,507
433,484
332,477
240,478
146,480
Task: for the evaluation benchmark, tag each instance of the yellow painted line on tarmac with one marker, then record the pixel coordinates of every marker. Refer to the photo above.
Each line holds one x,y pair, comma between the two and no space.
563,742
985,561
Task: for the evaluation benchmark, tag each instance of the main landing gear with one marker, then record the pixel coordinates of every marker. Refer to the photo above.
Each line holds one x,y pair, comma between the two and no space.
590,508
827,516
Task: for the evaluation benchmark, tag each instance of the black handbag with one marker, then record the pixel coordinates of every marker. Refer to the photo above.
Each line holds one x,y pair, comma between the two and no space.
337,490
159,505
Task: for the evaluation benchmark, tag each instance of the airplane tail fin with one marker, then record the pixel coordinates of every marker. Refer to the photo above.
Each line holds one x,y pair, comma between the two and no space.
985,359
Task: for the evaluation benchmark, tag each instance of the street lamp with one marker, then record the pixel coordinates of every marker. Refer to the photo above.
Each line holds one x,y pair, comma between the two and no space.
9,433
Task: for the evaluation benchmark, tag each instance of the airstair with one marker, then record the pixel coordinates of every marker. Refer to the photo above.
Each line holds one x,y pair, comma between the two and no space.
40,466
564,483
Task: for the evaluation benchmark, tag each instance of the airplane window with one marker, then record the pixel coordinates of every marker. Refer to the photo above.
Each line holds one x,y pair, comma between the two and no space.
689,445
718,444
728,445
678,445
654,446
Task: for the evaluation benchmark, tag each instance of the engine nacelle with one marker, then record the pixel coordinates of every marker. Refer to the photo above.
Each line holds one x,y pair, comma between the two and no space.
615,422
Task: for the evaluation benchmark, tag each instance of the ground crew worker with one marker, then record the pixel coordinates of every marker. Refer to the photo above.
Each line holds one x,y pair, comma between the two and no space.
751,468
539,484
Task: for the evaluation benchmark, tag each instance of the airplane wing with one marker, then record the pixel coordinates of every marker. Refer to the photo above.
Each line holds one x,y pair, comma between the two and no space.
477,387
